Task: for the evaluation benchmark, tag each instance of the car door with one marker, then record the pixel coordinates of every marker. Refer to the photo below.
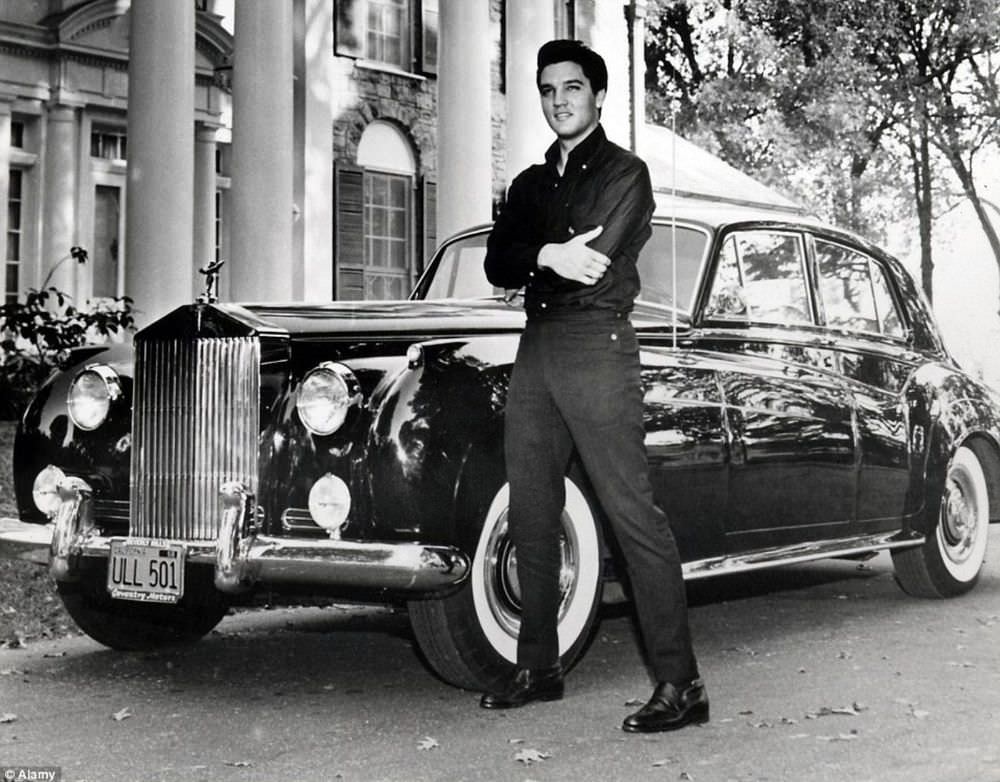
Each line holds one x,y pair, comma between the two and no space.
792,474
863,323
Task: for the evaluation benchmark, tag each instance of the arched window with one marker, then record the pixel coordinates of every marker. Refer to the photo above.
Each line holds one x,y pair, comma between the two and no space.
376,257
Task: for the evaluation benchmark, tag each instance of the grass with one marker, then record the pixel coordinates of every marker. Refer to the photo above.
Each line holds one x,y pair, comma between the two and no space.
29,607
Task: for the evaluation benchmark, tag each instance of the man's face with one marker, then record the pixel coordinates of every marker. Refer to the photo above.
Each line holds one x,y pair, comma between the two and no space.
568,101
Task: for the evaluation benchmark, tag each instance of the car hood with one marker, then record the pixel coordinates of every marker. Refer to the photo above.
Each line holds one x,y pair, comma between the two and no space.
354,319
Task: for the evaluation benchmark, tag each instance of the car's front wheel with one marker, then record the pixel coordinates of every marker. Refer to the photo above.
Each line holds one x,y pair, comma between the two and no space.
950,560
470,638
133,626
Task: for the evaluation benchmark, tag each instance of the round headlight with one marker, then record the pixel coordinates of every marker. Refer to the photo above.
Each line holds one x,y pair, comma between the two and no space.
91,394
329,502
45,490
326,396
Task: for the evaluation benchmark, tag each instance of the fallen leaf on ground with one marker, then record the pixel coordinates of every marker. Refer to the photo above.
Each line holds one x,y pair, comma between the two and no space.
529,756
123,714
238,763
825,711
427,742
635,702
665,762
7,718
841,736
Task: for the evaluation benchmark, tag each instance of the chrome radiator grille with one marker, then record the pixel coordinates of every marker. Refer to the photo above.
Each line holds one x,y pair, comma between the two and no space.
195,420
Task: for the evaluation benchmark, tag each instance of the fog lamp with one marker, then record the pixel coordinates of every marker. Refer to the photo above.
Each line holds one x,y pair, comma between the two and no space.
91,394
326,396
329,502
45,490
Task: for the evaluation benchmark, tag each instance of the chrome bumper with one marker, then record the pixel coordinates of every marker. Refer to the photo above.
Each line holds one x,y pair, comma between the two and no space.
241,557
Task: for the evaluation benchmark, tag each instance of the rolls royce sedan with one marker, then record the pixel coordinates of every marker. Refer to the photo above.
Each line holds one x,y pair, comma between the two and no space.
799,404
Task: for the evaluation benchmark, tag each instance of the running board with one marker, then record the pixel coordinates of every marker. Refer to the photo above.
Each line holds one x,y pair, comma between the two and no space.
800,552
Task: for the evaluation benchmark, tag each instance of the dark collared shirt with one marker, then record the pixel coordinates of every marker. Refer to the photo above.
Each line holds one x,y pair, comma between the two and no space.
602,184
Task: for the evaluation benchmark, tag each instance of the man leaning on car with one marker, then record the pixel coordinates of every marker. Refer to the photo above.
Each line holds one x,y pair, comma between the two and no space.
570,234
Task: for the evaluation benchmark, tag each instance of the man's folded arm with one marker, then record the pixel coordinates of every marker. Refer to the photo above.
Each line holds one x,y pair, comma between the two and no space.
510,257
625,209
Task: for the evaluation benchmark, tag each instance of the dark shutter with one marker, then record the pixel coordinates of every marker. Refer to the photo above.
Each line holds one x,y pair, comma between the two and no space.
429,36
349,233
428,219
348,36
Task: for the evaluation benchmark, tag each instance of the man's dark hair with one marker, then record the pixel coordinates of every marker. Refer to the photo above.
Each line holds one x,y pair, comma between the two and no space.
564,50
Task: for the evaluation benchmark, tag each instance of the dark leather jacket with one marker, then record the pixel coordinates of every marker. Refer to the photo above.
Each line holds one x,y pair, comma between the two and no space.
602,184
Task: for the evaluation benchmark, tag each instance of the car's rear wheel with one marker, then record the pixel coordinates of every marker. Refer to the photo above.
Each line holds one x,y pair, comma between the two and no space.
949,562
470,638
128,625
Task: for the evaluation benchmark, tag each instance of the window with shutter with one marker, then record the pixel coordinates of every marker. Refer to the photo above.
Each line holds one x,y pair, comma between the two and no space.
429,36
393,32
349,235
429,220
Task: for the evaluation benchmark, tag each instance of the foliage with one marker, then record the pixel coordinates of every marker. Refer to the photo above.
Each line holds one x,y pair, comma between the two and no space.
859,108
37,336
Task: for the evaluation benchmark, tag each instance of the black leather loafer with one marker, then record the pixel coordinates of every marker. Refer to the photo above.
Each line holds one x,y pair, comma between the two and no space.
670,708
544,684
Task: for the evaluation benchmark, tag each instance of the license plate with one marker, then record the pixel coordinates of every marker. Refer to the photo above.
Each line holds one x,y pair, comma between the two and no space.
149,571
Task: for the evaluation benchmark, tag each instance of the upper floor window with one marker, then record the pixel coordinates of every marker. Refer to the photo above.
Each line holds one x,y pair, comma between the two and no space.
17,134
108,143
398,33
761,278
855,292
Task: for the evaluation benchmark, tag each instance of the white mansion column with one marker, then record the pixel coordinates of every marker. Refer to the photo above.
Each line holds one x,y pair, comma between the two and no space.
59,206
529,25
203,239
159,209
313,276
260,266
465,159
609,37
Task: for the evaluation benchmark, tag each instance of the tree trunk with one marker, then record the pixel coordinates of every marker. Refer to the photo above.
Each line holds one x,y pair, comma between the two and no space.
923,195
968,183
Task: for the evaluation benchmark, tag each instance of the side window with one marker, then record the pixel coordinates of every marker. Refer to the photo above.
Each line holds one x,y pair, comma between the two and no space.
855,292
761,278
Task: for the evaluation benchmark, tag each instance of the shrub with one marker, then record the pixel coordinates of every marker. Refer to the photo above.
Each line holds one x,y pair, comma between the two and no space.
37,336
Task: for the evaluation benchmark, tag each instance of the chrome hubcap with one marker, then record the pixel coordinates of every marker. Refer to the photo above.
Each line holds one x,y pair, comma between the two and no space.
959,518
503,589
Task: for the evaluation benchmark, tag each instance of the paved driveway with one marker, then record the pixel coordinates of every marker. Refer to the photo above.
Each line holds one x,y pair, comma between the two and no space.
818,672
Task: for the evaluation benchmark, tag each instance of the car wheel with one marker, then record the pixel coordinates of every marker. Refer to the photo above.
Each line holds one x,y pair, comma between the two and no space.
470,638
950,560
128,625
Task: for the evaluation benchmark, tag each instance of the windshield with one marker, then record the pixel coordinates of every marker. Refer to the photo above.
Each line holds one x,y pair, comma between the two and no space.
458,270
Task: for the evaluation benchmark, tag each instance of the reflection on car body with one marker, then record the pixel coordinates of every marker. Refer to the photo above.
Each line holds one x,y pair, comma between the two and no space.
799,404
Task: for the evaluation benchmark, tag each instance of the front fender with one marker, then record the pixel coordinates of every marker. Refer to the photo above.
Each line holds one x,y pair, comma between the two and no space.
46,434
433,420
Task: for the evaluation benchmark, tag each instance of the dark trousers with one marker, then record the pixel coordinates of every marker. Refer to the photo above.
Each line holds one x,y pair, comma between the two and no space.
576,384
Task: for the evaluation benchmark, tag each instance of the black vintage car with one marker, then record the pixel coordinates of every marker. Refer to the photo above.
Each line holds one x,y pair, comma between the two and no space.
799,404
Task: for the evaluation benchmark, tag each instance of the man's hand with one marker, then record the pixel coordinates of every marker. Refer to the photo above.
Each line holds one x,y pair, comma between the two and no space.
573,260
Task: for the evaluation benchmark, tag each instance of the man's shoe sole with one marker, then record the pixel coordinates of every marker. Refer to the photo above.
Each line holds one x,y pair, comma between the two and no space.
696,716
546,696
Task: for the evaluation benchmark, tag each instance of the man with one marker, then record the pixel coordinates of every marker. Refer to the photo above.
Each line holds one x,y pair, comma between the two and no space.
570,233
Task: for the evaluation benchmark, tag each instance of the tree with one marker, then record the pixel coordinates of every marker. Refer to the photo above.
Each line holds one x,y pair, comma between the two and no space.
835,96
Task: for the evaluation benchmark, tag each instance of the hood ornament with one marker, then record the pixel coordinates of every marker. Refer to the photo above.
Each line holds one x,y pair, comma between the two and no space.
211,272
